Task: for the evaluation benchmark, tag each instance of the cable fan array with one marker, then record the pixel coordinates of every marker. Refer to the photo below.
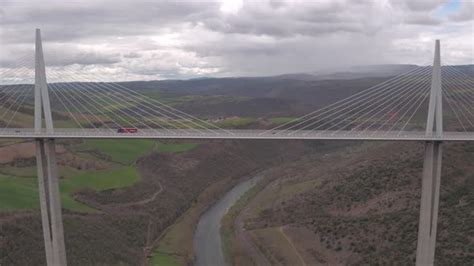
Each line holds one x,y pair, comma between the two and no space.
111,105
458,94
88,101
16,94
392,106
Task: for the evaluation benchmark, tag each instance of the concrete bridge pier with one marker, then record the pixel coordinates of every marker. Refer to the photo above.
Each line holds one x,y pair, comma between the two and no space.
429,206
50,202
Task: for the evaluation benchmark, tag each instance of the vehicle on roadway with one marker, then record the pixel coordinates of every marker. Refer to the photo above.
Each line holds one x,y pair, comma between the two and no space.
127,130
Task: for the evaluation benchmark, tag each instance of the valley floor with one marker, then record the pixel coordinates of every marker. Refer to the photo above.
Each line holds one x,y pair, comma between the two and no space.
333,203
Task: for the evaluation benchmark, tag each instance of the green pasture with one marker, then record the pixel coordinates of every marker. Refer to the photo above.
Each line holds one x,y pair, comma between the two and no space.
22,192
124,151
281,120
162,259
236,122
127,151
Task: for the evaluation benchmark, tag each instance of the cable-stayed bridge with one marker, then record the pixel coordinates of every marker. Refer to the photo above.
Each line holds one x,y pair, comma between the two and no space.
88,107
408,107
234,134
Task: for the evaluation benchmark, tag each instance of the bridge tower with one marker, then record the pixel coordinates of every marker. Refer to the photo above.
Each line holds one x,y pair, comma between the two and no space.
426,245
47,169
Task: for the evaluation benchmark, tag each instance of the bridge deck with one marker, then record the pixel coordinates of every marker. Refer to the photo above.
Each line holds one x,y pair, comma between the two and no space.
22,133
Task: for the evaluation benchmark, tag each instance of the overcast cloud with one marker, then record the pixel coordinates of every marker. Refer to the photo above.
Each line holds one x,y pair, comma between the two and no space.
128,40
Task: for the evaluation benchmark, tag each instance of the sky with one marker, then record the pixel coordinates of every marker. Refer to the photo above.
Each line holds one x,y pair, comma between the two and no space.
148,40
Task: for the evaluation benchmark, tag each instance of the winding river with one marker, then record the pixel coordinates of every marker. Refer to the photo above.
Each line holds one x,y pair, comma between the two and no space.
207,238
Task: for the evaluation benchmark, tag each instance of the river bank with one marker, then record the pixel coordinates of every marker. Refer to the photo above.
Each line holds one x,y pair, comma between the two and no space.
207,238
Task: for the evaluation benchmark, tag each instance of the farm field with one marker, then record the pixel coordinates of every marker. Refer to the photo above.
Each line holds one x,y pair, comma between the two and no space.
22,192
19,188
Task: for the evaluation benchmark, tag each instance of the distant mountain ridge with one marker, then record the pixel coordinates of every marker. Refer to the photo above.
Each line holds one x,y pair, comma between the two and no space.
294,94
352,72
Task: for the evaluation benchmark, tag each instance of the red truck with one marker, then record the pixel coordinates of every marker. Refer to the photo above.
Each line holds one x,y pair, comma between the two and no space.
127,130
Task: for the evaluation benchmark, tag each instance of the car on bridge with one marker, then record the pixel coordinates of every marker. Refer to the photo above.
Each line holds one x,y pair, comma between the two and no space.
127,130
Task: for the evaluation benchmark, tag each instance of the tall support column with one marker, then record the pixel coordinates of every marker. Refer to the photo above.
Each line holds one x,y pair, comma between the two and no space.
46,163
42,167
56,218
431,179
429,204
50,202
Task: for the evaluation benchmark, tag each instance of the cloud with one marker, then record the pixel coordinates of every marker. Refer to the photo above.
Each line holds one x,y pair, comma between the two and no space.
82,58
288,19
465,13
186,39
420,5
132,55
422,20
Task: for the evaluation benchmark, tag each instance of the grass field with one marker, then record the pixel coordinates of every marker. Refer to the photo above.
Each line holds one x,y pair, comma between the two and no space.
22,192
280,120
162,259
101,180
236,122
126,151
18,193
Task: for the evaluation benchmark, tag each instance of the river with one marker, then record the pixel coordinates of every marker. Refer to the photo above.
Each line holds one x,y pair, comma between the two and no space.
207,238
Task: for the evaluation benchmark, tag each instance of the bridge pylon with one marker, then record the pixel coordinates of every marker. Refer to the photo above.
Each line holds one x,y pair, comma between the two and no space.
431,179
47,168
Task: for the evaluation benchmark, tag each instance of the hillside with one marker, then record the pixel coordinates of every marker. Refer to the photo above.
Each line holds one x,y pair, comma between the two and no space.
360,206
